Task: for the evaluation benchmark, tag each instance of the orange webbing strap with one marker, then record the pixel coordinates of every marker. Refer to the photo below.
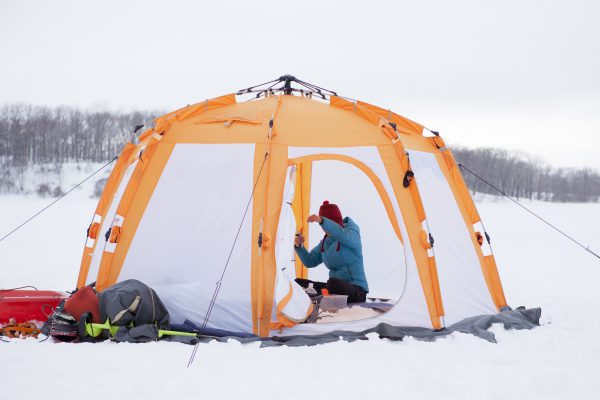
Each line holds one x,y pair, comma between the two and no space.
93,230
115,232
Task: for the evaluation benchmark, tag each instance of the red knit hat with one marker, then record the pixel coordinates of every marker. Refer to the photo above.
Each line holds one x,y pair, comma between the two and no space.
332,212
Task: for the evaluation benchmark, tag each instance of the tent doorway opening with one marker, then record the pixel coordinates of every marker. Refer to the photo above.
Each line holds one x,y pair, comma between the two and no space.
361,196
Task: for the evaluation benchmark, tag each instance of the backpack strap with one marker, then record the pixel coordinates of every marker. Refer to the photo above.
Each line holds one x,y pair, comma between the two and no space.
134,305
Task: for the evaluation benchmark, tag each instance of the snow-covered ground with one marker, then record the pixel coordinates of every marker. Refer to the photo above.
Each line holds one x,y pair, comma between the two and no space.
49,179
561,359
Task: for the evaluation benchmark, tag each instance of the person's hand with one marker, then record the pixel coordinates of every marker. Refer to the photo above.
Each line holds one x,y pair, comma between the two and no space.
315,218
298,240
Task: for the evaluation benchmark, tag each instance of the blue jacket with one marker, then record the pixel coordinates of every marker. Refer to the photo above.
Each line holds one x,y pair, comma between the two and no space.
346,264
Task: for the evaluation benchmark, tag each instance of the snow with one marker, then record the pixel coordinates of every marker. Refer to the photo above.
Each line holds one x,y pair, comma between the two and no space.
538,266
56,178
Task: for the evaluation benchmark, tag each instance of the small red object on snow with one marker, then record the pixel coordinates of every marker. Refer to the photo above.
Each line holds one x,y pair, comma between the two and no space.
28,305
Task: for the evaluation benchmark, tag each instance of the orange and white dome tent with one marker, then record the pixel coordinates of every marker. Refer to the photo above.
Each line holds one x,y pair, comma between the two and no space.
204,209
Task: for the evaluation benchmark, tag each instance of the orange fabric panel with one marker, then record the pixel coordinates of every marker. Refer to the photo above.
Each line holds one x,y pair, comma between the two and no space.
216,133
276,169
108,192
204,106
162,125
107,259
146,134
371,112
301,208
230,121
259,198
437,141
269,178
260,110
327,126
339,102
274,179
132,206
356,107
437,293
403,125
410,215
416,195
370,174
493,279
216,102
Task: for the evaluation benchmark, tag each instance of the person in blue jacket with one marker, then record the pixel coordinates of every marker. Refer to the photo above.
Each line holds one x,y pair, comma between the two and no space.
340,251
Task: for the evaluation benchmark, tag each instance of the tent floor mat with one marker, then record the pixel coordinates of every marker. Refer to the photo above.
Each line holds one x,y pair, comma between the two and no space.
519,319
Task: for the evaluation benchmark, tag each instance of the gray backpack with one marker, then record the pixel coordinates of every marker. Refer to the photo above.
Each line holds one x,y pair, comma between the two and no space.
136,309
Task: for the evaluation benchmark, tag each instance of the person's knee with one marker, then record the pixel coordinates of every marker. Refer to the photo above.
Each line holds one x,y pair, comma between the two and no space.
302,282
337,286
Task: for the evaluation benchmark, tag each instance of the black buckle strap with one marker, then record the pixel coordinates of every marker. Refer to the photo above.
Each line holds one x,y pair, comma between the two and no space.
408,177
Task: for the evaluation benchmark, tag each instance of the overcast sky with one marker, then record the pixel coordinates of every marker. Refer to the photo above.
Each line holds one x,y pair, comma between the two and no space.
522,75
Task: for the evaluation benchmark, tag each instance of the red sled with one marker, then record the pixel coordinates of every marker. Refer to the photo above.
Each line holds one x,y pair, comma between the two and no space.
28,305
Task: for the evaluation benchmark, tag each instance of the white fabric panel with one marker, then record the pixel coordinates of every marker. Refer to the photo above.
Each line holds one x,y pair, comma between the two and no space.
464,291
107,222
187,232
298,306
387,271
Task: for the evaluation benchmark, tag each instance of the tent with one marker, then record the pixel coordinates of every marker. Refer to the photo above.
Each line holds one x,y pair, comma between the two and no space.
205,205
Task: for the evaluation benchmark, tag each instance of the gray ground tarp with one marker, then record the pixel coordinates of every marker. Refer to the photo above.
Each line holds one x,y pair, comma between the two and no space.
520,318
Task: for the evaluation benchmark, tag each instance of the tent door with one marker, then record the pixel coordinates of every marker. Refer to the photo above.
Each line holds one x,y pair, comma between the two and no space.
361,195
292,305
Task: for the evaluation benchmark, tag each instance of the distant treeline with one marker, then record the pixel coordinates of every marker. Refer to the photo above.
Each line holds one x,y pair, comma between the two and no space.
31,135
35,135
521,177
